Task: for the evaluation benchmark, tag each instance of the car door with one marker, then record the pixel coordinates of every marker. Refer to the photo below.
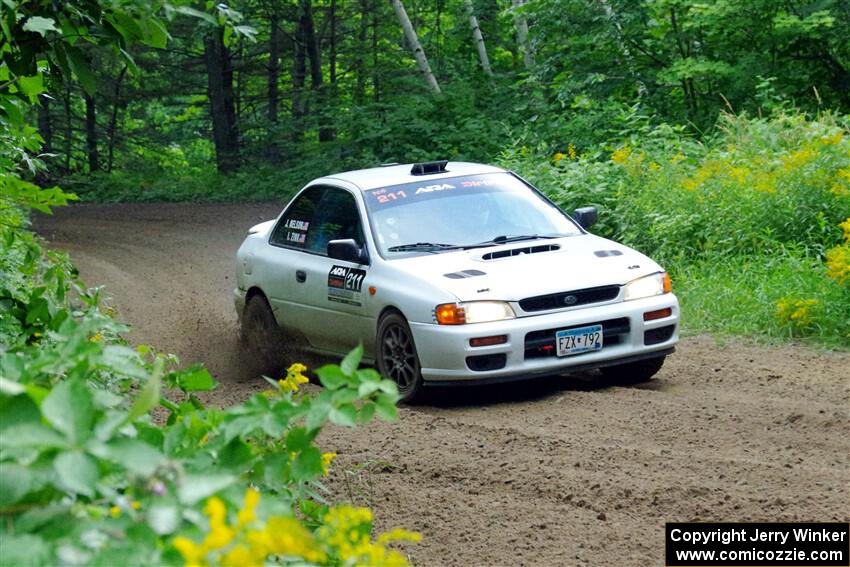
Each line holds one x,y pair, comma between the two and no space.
330,293
286,248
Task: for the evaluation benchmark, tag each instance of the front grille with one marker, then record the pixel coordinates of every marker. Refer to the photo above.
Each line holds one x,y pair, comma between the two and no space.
541,344
570,298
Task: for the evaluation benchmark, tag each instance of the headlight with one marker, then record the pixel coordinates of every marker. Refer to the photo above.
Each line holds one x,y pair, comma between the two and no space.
473,312
647,286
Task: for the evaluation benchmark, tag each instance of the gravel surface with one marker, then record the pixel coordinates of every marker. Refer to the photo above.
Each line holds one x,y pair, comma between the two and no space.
556,471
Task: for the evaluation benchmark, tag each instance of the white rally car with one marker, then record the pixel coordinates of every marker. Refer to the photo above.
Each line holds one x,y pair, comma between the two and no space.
450,273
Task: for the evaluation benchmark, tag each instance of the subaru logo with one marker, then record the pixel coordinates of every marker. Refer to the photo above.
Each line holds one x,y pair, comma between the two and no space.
570,300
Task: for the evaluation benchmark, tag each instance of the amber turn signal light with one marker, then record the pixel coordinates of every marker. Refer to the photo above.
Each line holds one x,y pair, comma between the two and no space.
660,314
450,314
668,284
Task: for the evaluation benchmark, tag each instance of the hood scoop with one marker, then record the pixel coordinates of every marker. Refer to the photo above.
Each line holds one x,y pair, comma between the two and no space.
520,251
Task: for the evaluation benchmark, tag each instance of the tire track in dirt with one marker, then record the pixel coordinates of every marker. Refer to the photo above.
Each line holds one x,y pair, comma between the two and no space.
557,471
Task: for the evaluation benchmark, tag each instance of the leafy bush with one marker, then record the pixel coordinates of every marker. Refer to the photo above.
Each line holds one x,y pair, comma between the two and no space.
749,222
87,476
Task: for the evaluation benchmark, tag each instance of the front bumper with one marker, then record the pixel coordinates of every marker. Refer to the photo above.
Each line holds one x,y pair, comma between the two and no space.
446,356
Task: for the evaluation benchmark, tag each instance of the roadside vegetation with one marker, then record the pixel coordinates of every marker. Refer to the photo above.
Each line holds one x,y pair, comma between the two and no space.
753,221
87,475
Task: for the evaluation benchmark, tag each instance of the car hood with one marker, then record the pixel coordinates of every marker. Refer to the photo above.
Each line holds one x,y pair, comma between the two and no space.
518,270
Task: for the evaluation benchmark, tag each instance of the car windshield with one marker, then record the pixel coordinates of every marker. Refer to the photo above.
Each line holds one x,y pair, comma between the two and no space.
432,216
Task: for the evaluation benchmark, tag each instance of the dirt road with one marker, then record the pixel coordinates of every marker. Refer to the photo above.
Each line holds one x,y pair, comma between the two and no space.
562,471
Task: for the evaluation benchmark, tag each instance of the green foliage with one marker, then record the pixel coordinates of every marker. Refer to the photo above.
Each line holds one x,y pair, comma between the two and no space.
82,460
750,296
748,216
87,475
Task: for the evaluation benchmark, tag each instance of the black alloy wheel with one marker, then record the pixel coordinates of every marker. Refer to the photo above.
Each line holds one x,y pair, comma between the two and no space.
397,358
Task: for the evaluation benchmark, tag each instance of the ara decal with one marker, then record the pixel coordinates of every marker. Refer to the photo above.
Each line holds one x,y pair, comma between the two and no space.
345,285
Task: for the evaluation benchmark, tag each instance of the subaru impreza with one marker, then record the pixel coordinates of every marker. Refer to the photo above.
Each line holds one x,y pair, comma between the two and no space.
450,273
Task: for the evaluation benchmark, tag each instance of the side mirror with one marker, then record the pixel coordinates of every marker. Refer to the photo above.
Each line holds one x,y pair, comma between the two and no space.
585,216
347,250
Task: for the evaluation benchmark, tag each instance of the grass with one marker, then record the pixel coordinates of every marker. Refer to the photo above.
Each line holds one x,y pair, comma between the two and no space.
742,296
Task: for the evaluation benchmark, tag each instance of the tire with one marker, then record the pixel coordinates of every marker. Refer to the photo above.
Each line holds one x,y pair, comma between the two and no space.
397,358
262,339
634,372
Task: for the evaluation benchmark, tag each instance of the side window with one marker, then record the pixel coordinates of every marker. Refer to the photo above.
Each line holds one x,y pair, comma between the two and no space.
293,227
336,218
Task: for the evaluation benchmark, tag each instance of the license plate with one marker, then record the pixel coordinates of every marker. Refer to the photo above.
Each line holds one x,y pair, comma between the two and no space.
577,341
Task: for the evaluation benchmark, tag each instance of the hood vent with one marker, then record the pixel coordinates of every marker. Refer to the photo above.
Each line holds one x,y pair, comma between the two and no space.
520,251
464,274
605,253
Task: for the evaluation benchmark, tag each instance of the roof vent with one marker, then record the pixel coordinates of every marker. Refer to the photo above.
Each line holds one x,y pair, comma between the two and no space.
429,167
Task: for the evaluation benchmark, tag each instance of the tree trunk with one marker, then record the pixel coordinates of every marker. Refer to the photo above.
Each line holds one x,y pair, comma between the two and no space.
113,121
299,72
413,41
69,132
222,108
332,55
360,61
478,38
273,148
376,76
45,127
91,134
522,35
314,54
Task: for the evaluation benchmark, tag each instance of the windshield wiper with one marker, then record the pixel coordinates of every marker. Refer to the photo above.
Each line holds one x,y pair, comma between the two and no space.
426,246
504,238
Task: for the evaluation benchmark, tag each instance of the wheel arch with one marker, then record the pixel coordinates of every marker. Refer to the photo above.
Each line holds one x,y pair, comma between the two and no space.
253,291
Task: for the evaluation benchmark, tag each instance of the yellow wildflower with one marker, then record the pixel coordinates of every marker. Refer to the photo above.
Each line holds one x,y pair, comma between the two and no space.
115,511
399,534
621,155
97,337
220,534
739,174
838,263
798,159
240,556
796,312
833,139
327,459
294,378
557,157
135,505
677,158
193,554
845,227
286,536
248,512
571,151
765,184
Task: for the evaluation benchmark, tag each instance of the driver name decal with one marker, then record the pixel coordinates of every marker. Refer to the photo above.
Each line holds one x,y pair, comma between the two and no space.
345,285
